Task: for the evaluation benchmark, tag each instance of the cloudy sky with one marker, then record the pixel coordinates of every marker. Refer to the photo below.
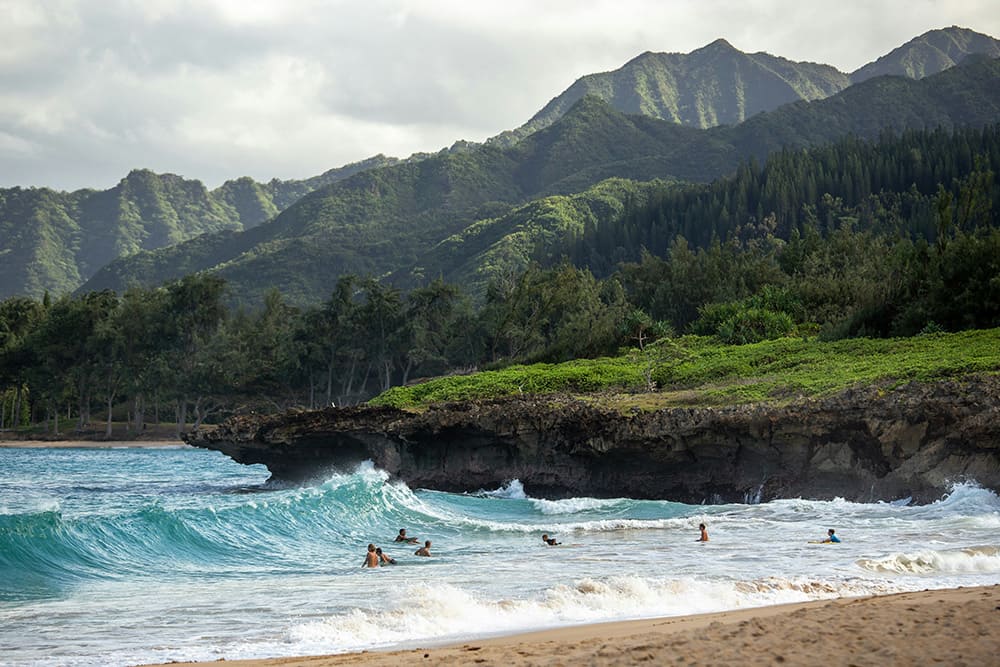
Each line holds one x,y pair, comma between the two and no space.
215,89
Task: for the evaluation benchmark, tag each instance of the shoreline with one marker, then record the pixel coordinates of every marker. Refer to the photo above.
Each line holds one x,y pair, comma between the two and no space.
92,444
952,626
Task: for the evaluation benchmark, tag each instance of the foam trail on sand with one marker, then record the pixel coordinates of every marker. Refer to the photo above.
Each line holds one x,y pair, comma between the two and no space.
445,612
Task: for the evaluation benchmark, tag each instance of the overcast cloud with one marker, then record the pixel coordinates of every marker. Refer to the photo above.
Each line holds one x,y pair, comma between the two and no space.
215,89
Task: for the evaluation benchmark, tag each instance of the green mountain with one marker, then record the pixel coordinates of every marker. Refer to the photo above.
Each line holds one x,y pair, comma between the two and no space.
394,220
930,53
54,241
40,236
714,85
256,202
721,85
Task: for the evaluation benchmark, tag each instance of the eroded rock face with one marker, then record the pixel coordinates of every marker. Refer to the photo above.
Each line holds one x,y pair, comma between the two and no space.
861,444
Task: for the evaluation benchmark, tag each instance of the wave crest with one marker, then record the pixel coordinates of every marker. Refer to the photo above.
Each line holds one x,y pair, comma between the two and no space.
981,559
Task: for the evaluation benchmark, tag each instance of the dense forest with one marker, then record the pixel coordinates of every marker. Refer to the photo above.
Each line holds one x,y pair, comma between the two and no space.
886,238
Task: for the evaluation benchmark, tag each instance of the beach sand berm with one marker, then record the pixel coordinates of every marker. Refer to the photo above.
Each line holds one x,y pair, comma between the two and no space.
948,627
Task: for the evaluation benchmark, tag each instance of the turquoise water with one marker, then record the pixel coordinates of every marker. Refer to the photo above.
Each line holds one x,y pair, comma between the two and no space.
127,556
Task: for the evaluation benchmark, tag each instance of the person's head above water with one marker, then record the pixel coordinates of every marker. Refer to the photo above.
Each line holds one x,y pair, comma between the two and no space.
371,547
402,532
830,532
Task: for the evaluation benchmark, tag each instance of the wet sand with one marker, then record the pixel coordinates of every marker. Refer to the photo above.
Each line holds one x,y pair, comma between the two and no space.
949,627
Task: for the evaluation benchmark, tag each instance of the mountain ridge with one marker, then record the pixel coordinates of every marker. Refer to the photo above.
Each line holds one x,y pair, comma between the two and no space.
74,235
683,98
385,220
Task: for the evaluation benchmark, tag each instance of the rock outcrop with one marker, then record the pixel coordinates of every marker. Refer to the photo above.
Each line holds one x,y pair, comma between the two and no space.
862,444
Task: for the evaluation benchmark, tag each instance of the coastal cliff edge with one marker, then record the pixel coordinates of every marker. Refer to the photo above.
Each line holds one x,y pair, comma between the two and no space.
874,443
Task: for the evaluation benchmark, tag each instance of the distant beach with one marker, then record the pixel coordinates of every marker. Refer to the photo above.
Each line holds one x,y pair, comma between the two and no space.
99,444
951,626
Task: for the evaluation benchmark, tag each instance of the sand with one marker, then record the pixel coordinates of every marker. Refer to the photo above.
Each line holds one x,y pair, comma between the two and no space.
948,627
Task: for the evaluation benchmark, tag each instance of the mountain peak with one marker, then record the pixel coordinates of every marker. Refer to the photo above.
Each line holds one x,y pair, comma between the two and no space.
718,46
930,53
721,43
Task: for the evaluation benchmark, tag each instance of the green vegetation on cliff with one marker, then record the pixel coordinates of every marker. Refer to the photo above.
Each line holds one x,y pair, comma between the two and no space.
695,370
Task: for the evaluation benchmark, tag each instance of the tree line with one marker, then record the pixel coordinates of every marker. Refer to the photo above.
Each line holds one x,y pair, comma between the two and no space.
871,261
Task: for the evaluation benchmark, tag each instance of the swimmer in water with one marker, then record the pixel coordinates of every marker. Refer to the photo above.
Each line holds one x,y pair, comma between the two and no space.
831,538
371,558
403,538
424,550
551,541
383,558
704,533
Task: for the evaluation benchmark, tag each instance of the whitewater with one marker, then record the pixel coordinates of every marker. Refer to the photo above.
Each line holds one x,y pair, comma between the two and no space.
127,556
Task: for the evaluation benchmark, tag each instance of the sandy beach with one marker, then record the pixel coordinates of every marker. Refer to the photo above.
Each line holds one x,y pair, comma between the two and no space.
950,627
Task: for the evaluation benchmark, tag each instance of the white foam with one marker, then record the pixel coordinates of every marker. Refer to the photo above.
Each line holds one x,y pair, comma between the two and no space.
981,559
442,612
574,505
513,490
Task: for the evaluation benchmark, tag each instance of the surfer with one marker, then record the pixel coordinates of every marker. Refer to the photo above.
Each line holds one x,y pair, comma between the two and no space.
403,538
384,558
551,541
371,558
704,533
424,550
831,538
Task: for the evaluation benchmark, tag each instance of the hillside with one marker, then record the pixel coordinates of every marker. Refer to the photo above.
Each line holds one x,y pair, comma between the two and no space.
930,53
714,85
54,241
720,85
388,220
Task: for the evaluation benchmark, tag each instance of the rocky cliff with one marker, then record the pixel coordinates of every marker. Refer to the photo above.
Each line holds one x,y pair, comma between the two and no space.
867,444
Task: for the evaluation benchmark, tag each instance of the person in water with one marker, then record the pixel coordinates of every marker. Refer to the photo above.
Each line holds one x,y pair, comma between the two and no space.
551,541
704,533
403,538
371,558
424,550
831,538
384,558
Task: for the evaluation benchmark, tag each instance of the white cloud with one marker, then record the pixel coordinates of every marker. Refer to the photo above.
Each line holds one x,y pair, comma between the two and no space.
215,89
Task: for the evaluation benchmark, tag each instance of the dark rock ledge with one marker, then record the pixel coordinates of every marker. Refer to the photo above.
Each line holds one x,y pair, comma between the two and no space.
862,444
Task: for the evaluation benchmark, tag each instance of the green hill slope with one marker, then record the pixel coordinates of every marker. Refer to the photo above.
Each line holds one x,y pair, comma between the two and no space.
721,85
393,219
930,53
54,241
714,85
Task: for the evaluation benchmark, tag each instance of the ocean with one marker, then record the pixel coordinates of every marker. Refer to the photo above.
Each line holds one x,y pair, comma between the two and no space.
126,556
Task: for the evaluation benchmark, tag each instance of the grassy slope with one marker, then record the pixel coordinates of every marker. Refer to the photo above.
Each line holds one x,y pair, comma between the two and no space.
701,371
